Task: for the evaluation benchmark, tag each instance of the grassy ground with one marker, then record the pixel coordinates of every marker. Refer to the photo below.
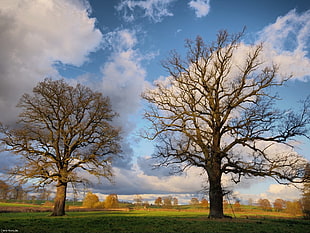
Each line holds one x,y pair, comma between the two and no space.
144,221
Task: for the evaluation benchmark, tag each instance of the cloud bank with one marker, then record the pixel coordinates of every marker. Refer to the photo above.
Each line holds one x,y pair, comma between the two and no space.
36,34
130,182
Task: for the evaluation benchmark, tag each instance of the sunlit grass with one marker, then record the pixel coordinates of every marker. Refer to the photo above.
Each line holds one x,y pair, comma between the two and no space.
17,204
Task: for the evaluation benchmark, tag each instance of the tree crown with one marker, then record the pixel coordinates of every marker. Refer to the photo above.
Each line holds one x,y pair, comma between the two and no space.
216,107
62,129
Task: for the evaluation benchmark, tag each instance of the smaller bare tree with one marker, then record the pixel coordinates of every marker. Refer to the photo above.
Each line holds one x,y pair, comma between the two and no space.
62,131
4,190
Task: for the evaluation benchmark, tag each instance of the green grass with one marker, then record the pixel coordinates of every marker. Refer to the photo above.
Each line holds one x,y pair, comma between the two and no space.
143,221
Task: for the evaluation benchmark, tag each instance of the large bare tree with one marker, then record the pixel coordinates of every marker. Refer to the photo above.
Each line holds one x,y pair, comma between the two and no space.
216,111
62,129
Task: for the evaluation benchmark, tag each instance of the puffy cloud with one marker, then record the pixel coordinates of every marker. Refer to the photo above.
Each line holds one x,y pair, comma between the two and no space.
34,35
155,10
285,192
201,7
286,43
123,77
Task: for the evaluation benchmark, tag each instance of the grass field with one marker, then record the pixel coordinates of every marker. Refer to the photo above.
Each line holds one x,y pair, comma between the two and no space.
144,221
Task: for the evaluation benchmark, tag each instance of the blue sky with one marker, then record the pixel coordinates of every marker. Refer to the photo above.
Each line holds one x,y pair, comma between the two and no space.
116,47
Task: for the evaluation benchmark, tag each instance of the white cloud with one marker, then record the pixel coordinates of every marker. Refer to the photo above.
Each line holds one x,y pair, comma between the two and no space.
123,76
201,7
34,35
155,10
123,79
286,43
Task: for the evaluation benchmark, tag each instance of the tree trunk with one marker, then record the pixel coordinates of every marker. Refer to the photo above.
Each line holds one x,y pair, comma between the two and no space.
215,193
60,199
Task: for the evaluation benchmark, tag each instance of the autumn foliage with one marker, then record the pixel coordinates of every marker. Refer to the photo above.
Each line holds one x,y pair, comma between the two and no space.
90,200
204,203
279,205
111,201
264,204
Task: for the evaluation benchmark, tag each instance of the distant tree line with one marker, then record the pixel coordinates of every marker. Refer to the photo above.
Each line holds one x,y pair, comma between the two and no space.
18,192
296,207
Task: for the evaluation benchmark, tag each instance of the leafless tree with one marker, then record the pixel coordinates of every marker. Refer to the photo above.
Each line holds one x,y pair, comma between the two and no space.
4,190
216,111
167,201
62,130
175,201
138,200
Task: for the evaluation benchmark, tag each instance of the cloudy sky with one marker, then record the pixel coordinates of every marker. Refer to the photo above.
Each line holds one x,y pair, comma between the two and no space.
116,47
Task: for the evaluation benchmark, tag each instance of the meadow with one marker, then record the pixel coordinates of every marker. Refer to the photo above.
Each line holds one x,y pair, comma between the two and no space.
147,222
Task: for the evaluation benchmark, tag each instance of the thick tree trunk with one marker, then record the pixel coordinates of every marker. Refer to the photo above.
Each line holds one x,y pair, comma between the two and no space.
60,199
216,198
215,191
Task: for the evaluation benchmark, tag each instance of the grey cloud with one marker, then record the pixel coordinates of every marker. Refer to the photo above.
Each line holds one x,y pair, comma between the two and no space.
134,181
146,164
125,159
8,160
